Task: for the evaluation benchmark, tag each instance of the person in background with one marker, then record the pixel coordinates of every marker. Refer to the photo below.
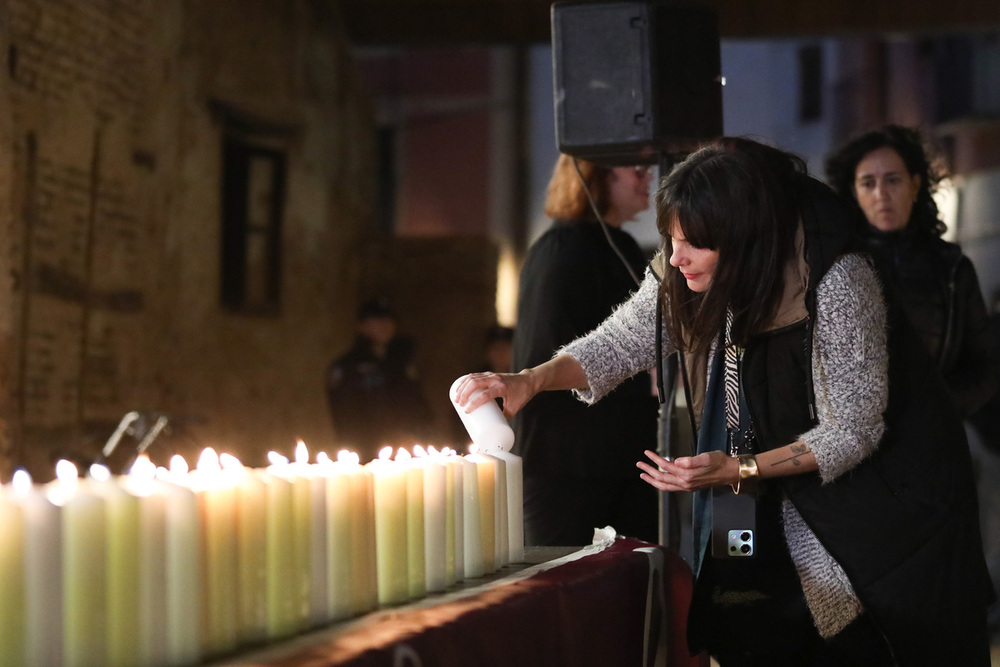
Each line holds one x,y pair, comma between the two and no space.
809,397
579,461
372,390
887,178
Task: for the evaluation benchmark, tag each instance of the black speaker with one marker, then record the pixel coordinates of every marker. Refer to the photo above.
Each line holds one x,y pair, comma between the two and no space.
635,80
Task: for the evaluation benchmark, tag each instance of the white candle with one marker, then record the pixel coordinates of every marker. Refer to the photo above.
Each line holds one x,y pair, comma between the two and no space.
416,559
12,581
122,515
340,549
456,517
500,508
281,612
486,474
486,424
216,493
183,553
515,503
301,547
365,579
84,569
318,593
473,520
152,636
435,489
391,537
43,562
251,529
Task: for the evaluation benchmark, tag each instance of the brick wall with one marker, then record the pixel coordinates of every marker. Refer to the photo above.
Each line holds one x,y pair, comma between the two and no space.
112,119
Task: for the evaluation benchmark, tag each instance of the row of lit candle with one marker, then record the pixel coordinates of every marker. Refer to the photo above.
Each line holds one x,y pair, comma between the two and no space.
170,566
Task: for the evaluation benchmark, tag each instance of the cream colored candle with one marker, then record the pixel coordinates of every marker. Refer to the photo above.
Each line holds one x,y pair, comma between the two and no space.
184,568
216,494
515,503
391,537
84,569
500,499
122,514
43,562
435,489
416,558
152,537
486,474
340,508
456,516
472,519
502,552
317,571
281,611
301,551
363,556
251,529
12,581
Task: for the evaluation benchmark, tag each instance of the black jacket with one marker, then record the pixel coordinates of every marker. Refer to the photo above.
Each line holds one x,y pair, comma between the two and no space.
936,287
570,282
904,523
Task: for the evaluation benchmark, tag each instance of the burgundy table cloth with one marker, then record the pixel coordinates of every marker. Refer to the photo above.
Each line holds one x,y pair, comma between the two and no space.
624,605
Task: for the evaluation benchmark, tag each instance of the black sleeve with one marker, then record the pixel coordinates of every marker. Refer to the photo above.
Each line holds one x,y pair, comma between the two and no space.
975,376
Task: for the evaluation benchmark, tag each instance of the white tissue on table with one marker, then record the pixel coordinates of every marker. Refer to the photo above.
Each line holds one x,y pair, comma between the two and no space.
604,537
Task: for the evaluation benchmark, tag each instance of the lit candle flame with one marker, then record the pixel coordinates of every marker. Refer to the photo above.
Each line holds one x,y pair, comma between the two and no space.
403,455
209,460
301,452
230,462
419,451
100,472
347,456
21,482
277,459
178,465
473,449
385,453
323,459
143,468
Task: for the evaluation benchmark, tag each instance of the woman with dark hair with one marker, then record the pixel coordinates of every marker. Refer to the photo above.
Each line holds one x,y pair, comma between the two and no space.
865,548
887,177
571,280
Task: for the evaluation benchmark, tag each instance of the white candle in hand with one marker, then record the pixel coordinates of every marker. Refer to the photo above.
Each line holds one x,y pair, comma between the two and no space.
486,424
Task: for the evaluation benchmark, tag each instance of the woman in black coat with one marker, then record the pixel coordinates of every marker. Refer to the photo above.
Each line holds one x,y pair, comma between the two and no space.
571,280
888,178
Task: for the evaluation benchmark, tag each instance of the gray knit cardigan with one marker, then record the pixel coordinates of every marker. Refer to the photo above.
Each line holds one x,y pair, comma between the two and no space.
850,377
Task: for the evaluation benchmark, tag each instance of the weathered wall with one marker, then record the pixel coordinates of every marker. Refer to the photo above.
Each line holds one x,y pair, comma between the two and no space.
111,126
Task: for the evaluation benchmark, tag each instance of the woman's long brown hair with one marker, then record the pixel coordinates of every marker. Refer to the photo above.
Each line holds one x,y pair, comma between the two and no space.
736,196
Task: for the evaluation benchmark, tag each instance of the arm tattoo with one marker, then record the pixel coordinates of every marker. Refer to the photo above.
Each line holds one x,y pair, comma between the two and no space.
797,451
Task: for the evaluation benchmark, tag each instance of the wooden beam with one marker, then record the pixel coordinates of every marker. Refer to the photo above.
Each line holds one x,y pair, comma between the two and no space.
431,22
